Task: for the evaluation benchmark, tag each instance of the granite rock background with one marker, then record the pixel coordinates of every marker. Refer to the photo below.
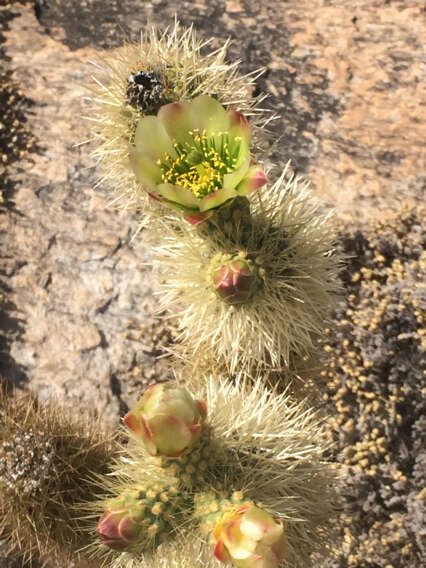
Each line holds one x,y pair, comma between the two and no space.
77,317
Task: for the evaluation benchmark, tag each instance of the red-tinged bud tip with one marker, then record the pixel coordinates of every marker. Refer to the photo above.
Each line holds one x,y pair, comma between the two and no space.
236,281
259,179
132,422
203,407
195,218
240,119
116,530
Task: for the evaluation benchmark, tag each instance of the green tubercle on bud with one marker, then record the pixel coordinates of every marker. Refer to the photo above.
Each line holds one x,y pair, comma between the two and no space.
195,468
235,278
168,419
210,506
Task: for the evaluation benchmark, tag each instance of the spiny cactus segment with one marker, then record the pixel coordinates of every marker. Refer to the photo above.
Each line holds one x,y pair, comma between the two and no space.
220,485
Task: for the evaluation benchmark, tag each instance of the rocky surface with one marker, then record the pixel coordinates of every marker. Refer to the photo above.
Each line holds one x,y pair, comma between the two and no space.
79,320
77,300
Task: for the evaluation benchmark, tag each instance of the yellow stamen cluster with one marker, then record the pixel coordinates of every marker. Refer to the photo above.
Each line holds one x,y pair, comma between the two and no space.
201,165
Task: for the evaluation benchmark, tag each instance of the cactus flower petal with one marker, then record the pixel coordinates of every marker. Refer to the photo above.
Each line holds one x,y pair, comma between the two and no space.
195,218
146,171
152,139
254,179
239,121
215,199
178,195
177,119
250,537
213,117
230,181
195,157
171,435
221,553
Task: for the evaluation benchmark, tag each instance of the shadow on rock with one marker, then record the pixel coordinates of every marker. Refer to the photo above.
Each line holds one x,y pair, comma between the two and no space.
11,327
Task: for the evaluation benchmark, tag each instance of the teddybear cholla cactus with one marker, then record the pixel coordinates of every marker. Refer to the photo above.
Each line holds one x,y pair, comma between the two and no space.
257,463
252,285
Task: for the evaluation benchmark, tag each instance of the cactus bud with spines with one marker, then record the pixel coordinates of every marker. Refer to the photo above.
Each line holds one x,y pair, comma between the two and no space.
290,241
118,528
139,518
168,419
235,278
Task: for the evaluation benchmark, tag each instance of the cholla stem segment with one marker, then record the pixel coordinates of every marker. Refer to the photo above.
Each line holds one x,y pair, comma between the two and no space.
290,242
259,452
250,287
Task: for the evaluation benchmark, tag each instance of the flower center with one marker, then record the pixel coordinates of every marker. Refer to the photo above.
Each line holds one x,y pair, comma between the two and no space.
201,164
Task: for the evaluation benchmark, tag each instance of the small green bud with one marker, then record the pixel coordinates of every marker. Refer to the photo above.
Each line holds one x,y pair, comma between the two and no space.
237,280
118,528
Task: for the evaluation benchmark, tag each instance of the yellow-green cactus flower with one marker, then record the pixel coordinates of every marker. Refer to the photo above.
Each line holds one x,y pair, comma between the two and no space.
195,156
249,537
168,419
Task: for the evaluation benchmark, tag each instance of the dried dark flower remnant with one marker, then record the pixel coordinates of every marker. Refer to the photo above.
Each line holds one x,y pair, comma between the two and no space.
376,383
145,92
48,457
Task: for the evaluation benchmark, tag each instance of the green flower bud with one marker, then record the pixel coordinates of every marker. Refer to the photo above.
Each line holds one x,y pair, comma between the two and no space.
168,419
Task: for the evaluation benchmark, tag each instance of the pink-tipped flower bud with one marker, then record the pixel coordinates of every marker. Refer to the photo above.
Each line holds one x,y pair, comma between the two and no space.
249,537
237,280
118,529
168,419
